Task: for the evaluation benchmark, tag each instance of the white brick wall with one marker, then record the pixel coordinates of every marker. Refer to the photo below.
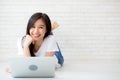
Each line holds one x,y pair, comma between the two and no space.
88,28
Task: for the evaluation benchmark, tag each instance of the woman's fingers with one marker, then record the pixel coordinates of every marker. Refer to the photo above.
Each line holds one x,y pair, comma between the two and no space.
28,40
7,69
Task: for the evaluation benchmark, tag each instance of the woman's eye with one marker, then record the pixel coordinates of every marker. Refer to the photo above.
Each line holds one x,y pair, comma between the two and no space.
33,26
40,27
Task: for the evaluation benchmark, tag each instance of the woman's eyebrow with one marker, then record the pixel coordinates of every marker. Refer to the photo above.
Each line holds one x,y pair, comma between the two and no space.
41,25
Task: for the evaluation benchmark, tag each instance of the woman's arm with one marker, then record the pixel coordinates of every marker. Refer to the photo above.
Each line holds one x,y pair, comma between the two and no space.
26,49
49,54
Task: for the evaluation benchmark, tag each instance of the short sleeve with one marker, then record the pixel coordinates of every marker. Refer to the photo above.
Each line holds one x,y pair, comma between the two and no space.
19,46
51,44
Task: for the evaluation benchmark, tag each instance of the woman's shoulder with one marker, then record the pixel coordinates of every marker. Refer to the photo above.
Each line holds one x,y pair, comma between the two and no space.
21,40
50,37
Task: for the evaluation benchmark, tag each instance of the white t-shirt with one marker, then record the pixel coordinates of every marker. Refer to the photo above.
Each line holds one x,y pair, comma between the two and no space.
48,45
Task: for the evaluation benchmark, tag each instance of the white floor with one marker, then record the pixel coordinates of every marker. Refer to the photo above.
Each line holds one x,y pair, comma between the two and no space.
78,70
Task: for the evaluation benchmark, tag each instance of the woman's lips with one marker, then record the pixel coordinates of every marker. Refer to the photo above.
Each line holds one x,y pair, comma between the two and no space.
36,36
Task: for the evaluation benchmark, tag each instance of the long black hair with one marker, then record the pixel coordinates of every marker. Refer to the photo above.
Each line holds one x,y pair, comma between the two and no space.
31,22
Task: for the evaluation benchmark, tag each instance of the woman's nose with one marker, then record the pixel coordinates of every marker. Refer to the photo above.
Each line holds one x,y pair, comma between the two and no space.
36,30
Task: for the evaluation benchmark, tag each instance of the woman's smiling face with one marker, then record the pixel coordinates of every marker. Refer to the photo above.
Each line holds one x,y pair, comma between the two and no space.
38,30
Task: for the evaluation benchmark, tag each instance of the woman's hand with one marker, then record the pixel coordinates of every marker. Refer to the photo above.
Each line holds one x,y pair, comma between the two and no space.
7,69
28,41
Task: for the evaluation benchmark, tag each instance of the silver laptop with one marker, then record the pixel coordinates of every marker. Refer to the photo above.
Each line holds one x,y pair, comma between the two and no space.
31,67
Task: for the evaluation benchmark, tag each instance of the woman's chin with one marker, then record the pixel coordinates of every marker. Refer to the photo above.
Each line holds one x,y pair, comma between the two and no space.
36,39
